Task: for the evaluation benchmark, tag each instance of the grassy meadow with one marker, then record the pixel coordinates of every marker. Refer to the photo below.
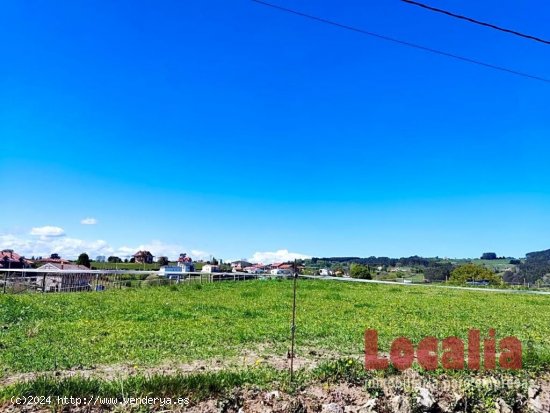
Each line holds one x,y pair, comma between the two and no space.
136,266
148,326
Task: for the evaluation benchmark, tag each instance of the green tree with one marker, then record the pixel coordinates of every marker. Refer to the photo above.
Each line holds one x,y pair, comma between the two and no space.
162,261
471,272
359,271
83,259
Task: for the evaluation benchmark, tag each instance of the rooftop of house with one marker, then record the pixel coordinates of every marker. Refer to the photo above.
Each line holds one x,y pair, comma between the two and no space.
242,263
62,266
8,255
142,254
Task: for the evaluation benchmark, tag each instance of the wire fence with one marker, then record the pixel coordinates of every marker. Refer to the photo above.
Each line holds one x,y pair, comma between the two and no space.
40,281
32,281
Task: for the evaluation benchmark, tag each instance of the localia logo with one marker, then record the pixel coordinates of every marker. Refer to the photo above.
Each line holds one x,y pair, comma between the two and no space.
452,354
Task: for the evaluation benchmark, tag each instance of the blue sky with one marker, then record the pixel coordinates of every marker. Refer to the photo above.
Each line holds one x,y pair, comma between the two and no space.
231,129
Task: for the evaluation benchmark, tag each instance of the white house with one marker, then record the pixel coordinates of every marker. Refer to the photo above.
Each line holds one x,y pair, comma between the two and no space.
325,272
253,270
279,271
240,265
166,270
64,277
186,266
209,268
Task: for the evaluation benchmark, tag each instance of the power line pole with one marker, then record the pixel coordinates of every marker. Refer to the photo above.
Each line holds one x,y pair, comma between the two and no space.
293,326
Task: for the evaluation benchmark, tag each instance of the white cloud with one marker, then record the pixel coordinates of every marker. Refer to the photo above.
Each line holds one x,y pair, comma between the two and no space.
156,247
48,231
200,255
159,249
126,251
64,246
67,247
89,221
277,256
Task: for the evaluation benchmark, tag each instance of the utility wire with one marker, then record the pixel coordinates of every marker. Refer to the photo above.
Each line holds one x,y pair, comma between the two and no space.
492,26
402,42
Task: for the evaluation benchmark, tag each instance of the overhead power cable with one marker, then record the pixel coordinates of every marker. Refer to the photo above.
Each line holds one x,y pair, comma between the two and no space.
469,19
402,42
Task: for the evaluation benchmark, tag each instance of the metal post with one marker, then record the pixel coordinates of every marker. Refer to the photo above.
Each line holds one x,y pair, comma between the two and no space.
293,326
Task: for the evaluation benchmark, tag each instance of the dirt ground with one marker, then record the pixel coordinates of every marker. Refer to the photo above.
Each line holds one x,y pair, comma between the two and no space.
407,392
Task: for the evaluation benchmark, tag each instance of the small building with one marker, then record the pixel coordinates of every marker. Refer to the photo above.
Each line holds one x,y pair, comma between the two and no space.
143,257
167,270
210,268
186,263
170,272
240,265
186,266
59,277
325,272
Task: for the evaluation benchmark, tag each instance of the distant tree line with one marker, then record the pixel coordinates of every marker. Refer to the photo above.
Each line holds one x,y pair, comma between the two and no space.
436,271
377,261
535,267
491,256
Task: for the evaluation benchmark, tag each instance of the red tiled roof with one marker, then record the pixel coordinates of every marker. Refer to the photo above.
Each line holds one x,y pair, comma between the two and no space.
143,254
10,256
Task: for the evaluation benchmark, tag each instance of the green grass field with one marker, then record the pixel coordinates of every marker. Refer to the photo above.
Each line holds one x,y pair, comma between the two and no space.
498,264
189,322
124,266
